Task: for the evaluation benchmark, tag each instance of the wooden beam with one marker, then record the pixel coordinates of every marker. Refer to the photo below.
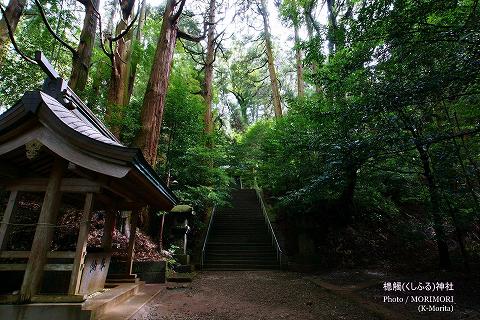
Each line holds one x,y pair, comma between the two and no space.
7,215
26,254
58,267
46,66
107,201
9,298
107,182
47,267
61,254
14,254
44,233
74,185
131,240
81,250
13,266
48,298
7,170
108,228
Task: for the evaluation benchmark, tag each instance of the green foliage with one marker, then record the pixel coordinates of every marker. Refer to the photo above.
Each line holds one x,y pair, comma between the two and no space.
397,109
32,35
389,135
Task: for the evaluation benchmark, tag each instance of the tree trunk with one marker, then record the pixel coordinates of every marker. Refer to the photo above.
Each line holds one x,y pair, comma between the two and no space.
332,27
459,231
346,202
13,12
138,38
311,23
444,256
81,63
313,65
120,73
154,99
210,58
277,104
298,56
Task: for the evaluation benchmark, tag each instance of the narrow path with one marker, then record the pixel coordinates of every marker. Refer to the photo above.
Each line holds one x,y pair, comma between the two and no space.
247,295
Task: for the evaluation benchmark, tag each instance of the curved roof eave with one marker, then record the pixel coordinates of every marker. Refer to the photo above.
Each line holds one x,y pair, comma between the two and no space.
58,119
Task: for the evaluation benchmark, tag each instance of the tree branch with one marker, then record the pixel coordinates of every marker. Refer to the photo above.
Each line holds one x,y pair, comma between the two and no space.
102,39
12,38
176,16
126,30
49,28
189,37
257,68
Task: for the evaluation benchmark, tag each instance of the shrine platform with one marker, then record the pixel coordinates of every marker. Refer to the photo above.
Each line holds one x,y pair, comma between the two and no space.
118,301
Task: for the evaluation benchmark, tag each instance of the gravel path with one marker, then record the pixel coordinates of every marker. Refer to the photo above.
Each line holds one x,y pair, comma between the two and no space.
247,295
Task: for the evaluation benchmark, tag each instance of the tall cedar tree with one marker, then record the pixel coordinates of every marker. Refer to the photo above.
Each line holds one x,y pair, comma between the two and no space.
154,99
210,59
117,97
13,12
81,63
277,103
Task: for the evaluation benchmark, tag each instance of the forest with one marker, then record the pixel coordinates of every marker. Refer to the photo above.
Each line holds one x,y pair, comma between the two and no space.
358,119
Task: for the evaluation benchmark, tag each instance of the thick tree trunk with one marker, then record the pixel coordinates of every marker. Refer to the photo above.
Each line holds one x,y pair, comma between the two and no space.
81,63
313,65
154,99
13,12
444,256
311,23
332,27
117,97
298,56
207,85
138,38
277,104
346,201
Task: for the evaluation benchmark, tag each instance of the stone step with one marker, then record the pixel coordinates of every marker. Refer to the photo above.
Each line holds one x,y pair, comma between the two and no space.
100,305
131,306
245,254
234,234
241,250
242,240
244,244
239,237
238,224
247,250
123,280
241,260
181,277
239,216
221,267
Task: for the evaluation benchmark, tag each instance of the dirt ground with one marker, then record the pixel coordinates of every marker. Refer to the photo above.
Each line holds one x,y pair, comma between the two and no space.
247,295
264,295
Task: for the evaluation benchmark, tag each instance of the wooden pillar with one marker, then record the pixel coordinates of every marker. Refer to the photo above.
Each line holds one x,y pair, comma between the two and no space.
7,215
108,230
81,250
131,240
44,233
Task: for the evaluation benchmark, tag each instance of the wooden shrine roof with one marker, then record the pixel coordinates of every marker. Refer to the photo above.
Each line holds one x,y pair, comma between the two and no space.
61,122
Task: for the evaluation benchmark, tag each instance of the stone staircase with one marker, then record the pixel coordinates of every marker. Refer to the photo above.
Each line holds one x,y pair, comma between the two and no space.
239,238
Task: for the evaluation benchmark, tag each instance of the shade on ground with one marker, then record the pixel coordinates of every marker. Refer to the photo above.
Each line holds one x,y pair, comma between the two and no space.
242,295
